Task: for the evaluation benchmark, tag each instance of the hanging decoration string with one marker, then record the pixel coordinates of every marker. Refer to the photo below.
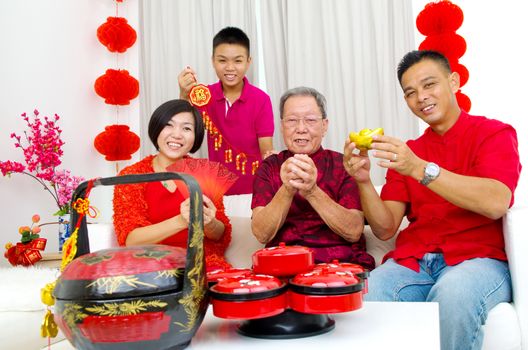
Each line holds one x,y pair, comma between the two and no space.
49,328
118,88
199,96
439,21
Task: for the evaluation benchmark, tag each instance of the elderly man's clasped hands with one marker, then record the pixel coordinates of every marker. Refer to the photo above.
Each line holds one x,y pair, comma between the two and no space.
299,173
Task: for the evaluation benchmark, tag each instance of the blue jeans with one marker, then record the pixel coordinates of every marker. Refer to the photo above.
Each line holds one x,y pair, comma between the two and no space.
465,293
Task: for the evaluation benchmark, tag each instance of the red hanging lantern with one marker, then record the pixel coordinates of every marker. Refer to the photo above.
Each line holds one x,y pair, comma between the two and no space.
462,71
463,101
439,17
450,44
117,87
117,142
116,34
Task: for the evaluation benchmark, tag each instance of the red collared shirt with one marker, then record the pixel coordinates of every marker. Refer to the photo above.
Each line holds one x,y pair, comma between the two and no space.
241,125
474,146
303,225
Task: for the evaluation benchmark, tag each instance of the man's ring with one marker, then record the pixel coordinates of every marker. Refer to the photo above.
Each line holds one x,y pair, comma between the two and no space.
395,157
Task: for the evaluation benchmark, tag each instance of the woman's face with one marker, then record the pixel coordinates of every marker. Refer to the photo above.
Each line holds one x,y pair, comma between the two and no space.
177,137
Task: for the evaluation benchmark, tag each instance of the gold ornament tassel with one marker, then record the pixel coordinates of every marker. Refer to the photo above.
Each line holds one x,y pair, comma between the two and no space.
49,328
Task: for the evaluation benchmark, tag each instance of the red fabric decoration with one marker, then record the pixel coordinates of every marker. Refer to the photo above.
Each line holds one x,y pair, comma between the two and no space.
214,178
438,21
116,34
26,254
463,101
462,71
451,45
117,142
439,17
117,87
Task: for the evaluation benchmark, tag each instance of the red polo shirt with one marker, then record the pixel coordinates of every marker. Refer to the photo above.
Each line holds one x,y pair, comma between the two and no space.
241,125
474,146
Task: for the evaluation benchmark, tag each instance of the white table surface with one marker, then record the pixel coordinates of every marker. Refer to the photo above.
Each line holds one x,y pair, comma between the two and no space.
375,326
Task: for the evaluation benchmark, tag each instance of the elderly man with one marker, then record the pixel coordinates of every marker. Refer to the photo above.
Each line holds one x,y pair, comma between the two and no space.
303,195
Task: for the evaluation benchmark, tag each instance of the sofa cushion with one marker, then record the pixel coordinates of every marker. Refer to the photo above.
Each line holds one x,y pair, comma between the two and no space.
501,331
238,205
243,243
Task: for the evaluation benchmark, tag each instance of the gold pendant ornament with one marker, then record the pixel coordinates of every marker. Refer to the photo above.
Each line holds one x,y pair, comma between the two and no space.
49,327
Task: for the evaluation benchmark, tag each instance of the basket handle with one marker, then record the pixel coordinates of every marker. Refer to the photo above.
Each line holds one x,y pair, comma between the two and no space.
196,202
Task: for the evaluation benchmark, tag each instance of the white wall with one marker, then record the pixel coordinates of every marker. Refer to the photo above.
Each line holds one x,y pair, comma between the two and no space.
50,60
496,58
51,57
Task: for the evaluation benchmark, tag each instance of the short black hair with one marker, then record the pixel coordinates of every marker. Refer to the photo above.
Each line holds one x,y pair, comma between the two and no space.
416,56
231,35
164,113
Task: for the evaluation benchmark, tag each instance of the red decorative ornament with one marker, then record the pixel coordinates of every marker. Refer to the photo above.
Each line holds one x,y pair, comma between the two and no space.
438,21
463,101
439,17
451,45
25,254
200,95
117,142
117,87
116,34
462,71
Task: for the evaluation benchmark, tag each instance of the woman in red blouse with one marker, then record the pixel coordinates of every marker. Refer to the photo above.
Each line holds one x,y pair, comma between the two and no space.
158,212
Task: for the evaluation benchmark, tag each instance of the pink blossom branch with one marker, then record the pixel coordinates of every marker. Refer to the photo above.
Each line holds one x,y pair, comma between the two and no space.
44,185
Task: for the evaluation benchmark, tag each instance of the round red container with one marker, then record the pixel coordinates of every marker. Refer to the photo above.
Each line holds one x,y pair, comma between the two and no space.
322,291
216,275
356,269
248,297
283,260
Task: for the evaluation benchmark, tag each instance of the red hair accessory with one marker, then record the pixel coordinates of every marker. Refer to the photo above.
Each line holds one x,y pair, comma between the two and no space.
439,17
117,142
117,87
116,34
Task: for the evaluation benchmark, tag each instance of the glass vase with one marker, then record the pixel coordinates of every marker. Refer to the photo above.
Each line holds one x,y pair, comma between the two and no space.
64,230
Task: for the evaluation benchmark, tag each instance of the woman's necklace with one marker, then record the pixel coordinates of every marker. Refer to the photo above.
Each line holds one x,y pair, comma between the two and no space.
158,168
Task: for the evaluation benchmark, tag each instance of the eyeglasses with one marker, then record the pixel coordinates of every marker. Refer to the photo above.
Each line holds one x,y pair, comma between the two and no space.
291,122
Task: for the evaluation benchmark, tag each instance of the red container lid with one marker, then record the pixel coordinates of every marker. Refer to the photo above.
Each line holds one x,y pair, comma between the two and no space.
252,287
122,272
283,260
335,265
325,281
216,275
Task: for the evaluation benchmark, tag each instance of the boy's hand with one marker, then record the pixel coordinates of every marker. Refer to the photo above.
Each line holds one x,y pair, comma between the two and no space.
186,80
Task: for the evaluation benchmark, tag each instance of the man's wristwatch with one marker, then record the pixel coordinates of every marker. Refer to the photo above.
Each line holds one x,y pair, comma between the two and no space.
431,172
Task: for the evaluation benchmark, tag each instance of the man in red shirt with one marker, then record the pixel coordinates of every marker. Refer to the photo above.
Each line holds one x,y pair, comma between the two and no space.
303,195
454,184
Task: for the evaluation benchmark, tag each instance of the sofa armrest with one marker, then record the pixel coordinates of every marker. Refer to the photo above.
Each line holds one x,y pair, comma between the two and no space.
515,223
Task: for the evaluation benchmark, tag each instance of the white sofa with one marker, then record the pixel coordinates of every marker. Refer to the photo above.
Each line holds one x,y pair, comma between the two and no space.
505,329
